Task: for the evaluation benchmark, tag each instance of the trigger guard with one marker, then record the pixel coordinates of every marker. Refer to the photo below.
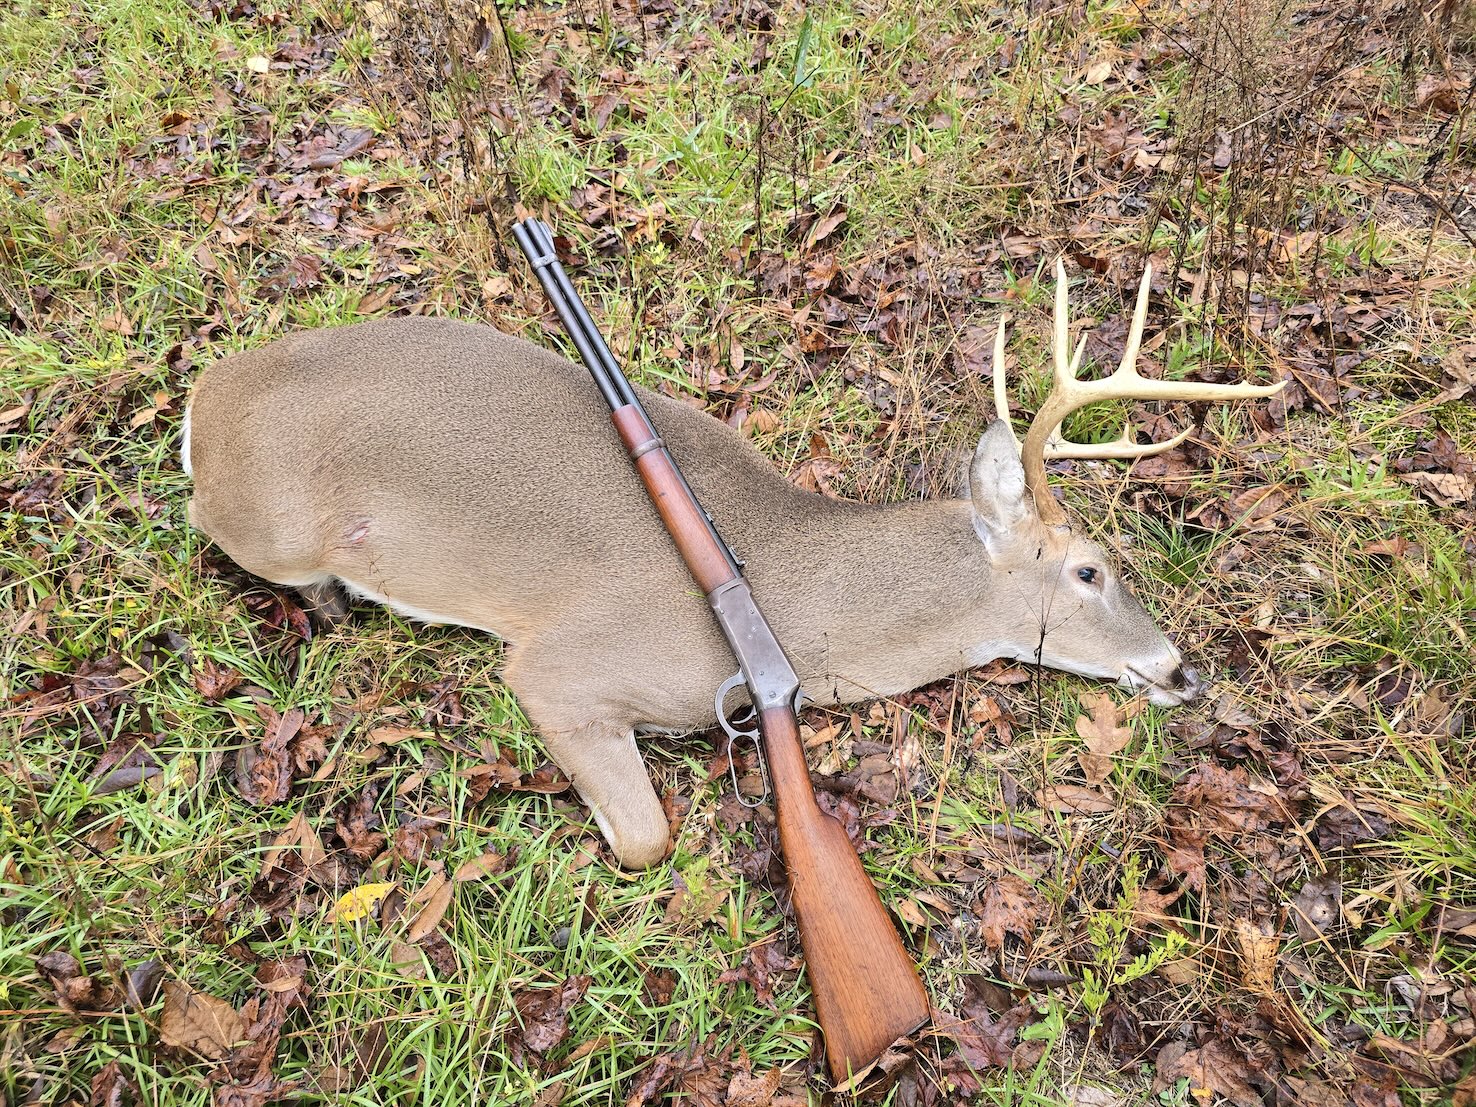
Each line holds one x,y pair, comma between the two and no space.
734,681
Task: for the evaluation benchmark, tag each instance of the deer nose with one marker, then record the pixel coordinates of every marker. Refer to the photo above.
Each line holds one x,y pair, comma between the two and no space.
1186,680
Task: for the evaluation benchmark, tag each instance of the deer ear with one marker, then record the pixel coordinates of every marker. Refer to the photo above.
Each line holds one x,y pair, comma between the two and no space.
997,487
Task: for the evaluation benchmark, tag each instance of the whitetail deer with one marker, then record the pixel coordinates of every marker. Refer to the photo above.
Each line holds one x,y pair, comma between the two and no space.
460,475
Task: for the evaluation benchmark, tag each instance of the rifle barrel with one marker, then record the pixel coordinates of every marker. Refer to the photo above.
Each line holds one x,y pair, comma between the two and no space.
596,339
546,268
536,240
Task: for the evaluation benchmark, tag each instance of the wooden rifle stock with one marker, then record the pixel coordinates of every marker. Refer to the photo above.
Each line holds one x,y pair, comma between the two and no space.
867,992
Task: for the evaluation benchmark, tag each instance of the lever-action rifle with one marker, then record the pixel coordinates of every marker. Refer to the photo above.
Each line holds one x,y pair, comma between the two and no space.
867,992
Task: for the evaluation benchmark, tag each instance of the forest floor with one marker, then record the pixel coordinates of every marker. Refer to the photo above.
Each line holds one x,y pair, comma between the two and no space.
241,862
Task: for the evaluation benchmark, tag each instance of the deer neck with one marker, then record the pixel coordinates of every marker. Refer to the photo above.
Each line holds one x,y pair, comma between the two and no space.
887,597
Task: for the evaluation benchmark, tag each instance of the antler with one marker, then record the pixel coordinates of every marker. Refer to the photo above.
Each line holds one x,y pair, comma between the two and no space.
1043,440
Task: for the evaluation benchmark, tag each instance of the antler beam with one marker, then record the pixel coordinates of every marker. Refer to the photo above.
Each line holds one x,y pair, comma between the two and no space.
1043,440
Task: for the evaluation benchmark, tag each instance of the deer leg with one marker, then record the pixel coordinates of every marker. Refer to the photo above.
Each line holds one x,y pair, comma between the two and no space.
610,777
324,603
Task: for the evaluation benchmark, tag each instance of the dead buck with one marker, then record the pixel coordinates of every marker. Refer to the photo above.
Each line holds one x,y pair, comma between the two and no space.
460,475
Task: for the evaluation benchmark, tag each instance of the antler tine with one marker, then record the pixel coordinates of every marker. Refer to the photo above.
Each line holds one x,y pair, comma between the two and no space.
1001,396
1065,371
1122,448
1070,394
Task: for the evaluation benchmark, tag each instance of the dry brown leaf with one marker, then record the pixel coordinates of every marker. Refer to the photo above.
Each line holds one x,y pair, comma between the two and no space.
1008,905
1438,91
65,1040
198,1022
436,905
761,966
75,990
1104,735
1443,489
1214,1068
544,1014
265,772
488,864
1214,798
110,1088
298,834
1072,799
1257,957
391,735
215,681
747,1090
825,227
407,960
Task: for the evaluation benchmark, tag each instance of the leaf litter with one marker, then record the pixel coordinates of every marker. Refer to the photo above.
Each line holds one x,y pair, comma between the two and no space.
1241,840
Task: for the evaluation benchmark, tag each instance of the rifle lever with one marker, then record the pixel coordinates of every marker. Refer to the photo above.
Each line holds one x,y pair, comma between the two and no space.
737,730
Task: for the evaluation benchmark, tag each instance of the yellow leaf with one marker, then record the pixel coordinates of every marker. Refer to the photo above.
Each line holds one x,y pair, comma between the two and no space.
358,902
258,64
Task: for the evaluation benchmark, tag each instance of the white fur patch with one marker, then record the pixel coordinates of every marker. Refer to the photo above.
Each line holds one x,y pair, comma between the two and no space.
184,445
985,652
410,611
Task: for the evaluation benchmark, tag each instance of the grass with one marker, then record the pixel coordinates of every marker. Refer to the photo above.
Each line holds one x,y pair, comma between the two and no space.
152,209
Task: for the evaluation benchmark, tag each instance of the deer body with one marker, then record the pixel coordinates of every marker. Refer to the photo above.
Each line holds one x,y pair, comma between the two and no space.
505,503
461,475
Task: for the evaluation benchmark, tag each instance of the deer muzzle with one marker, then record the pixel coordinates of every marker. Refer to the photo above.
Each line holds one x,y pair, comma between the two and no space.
1178,684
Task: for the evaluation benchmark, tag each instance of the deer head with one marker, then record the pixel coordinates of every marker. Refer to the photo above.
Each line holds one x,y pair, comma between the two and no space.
1088,622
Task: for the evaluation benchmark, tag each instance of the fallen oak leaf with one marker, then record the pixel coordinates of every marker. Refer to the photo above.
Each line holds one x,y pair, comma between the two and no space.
760,965
1070,799
1104,735
1215,1068
658,986
1009,905
695,1076
747,1090
110,1088
983,1041
215,681
544,1014
1442,489
503,777
75,990
1227,800
285,978
264,774
245,1078
198,1022
358,827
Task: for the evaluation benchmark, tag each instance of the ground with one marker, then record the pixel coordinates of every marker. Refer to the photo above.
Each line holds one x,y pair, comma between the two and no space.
241,861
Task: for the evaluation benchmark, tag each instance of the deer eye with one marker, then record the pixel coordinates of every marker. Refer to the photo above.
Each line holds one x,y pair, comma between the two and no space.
1089,575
